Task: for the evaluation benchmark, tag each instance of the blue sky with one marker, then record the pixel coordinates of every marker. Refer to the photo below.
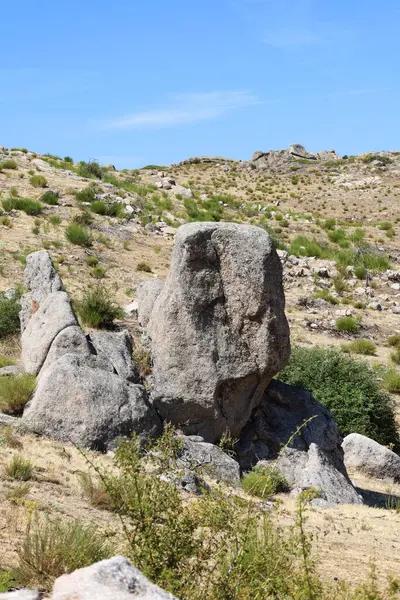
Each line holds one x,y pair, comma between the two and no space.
135,83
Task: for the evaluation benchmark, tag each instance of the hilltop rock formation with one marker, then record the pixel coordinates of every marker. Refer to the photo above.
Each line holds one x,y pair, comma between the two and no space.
217,330
282,160
87,390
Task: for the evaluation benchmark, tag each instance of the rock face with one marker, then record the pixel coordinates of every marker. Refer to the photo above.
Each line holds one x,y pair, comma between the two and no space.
53,315
41,279
313,458
85,392
218,329
147,293
112,579
210,459
76,402
367,456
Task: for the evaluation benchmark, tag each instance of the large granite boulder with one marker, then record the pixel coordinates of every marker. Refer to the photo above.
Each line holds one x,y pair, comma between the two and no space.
367,456
77,402
293,431
218,330
116,347
53,315
146,294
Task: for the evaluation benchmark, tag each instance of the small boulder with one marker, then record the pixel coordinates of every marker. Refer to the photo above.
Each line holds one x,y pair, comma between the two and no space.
210,459
112,579
88,406
53,315
11,370
367,456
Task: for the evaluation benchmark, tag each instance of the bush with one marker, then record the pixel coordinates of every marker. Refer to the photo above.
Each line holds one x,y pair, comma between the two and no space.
90,169
92,261
15,392
303,246
395,356
19,468
68,159
86,195
361,346
347,387
360,272
394,340
325,295
338,236
329,224
38,181
52,548
99,207
144,266
348,324
30,207
85,218
49,198
97,309
9,317
392,381
98,272
9,164
79,235
264,482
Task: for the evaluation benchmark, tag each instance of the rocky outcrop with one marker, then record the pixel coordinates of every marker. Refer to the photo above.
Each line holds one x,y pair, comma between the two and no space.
209,459
313,457
75,401
367,456
217,330
146,294
86,392
112,579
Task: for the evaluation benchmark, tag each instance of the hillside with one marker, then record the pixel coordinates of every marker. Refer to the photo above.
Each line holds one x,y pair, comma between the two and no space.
335,223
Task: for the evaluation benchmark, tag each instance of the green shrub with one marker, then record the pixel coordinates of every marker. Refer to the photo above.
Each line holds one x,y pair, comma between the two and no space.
49,198
325,295
86,195
19,468
9,164
348,387
30,207
394,340
55,220
99,207
92,261
9,317
52,548
360,272
79,235
264,482
97,308
6,581
15,392
90,169
303,246
338,236
361,346
385,226
6,361
395,356
329,224
392,381
38,181
348,324
68,159
85,218
98,272
144,266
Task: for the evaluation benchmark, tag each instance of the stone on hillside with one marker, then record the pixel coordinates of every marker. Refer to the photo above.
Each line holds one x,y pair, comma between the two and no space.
70,340
313,458
210,459
300,151
257,155
88,406
367,456
41,279
218,329
117,348
12,370
53,315
146,294
21,595
112,579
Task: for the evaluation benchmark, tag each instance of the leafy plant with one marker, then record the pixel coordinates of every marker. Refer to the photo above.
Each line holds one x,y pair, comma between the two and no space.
79,235
9,316
15,392
97,308
347,387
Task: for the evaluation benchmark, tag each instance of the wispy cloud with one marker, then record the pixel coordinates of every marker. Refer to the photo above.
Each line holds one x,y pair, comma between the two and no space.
184,109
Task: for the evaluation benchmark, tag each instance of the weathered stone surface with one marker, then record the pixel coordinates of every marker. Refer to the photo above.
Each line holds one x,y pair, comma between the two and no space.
41,279
21,595
90,407
146,294
113,579
210,459
300,151
53,315
367,456
11,370
313,457
70,340
218,329
117,348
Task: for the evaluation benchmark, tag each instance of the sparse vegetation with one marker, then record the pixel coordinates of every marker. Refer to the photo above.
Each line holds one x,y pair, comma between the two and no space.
38,181
97,308
49,197
348,324
15,392
143,266
9,316
27,205
362,346
19,468
264,481
79,235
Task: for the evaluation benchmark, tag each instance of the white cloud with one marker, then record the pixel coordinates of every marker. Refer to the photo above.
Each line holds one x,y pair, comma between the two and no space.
184,109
